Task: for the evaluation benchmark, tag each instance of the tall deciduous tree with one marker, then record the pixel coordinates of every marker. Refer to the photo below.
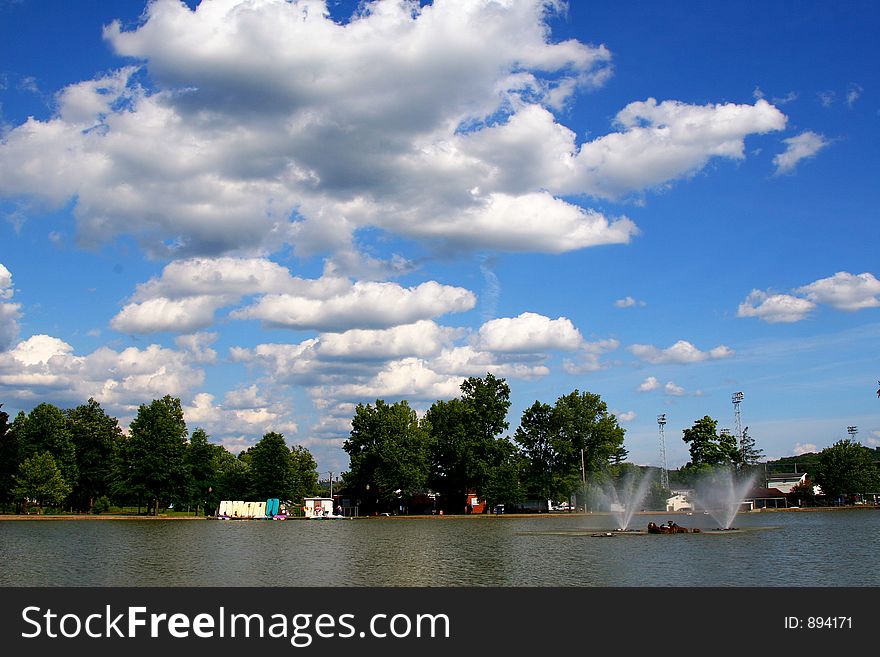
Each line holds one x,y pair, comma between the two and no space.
535,437
45,429
847,468
270,468
279,471
96,437
707,447
389,452
9,458
154,452
233,476
303,473
586,437
40,481
201,472
505,483
464,432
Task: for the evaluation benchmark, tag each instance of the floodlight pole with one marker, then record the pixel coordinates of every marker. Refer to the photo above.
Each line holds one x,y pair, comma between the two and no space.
664,473
737,398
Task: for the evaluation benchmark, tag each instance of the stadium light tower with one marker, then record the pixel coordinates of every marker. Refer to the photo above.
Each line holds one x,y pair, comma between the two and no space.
737,398
852,431
664,473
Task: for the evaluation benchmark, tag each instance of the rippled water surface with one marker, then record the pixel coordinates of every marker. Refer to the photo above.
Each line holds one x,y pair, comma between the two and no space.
830,548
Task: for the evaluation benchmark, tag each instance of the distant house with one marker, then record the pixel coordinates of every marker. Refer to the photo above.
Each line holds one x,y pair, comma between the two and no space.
317,507
766,498
474,504
679,502
785,481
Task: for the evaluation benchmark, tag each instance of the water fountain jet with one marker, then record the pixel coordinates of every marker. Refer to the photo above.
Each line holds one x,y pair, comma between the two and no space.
721,495
626,498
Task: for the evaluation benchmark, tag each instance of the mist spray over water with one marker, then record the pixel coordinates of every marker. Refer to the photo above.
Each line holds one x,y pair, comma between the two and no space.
627,497
721,494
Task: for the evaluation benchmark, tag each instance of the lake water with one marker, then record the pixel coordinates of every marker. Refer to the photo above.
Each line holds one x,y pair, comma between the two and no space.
821,548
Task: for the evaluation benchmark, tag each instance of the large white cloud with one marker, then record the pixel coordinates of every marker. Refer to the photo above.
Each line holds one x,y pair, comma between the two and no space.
529,332
422,361
45,365
9,312
364,305
659,142
843,291
680,352
267,123
187,295
775,308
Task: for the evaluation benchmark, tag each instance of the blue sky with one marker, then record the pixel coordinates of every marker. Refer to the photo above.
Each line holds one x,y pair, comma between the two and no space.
275,211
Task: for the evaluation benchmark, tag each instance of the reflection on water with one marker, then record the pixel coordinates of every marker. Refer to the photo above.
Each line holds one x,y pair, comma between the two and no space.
793,549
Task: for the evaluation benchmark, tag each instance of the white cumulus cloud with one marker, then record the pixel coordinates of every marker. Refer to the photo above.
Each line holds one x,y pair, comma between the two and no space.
845,291
775,308
10,312
363,305
267,124
43,365
649,384
529,332
801,147
680,352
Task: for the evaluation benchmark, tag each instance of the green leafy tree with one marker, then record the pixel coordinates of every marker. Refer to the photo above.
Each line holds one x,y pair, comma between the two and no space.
153,454
587,437
45,429
505,482
9,458
564,443
709,448
279,471
847,468
303,473
233,476
96,438
463,433
803,494
39,481
200,464
750,455
389,453
535,437
270,468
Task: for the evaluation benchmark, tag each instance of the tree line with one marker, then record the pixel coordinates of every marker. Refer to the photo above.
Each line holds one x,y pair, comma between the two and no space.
569,449
457,448
79,459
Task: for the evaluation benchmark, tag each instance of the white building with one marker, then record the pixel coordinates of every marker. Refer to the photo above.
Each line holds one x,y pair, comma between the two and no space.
318,507
785,481
679,502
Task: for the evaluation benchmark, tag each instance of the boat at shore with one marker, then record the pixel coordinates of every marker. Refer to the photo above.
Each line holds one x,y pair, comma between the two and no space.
271,509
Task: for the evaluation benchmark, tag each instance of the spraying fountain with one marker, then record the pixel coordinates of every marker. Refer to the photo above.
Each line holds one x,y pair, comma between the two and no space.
721,495
626,498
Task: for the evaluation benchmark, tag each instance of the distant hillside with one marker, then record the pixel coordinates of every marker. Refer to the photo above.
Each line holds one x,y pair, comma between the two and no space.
802,463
